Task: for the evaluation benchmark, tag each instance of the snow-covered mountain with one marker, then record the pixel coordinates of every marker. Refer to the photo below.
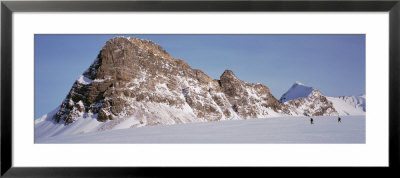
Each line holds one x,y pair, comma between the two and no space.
298,90
349,105
135,83
309,101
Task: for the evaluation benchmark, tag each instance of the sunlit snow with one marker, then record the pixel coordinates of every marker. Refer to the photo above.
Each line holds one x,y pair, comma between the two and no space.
83,80
326,129
298,90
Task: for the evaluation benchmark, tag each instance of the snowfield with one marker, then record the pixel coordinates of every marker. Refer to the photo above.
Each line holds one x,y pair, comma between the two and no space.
291,130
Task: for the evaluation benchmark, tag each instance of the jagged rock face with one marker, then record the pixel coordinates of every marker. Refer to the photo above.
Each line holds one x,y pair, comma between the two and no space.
315,104
77,101
308,101
135,79
249,100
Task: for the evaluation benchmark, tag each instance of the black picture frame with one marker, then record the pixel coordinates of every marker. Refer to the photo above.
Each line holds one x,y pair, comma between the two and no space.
8,7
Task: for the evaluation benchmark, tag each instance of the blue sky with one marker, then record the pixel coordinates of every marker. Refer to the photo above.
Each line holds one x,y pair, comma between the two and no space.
335,64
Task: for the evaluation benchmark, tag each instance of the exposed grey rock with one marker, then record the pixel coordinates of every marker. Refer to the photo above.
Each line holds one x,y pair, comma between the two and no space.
138,78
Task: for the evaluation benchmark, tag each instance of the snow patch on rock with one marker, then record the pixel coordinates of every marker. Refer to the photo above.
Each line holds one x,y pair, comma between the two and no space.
84,80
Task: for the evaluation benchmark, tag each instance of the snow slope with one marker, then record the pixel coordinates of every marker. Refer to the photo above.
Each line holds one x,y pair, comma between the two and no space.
47,127
298,90
268,130
349,105
356,101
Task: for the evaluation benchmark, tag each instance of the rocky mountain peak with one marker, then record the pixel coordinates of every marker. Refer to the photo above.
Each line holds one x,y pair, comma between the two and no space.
249,100
313,102
137,79
126,46
228,75
230,84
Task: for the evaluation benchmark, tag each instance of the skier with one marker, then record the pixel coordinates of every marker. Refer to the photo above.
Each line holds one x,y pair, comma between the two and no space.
339,120
312,121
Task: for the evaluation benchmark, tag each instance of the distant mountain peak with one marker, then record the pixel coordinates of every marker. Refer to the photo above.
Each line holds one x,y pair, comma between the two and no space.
311,100
298,90
349,105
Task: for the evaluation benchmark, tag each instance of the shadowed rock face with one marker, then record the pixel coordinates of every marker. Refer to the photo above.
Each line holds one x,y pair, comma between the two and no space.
138,78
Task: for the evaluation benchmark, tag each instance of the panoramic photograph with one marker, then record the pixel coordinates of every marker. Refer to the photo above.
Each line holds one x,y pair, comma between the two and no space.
199,88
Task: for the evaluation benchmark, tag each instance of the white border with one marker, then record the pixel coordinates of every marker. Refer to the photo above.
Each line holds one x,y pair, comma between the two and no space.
373,153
